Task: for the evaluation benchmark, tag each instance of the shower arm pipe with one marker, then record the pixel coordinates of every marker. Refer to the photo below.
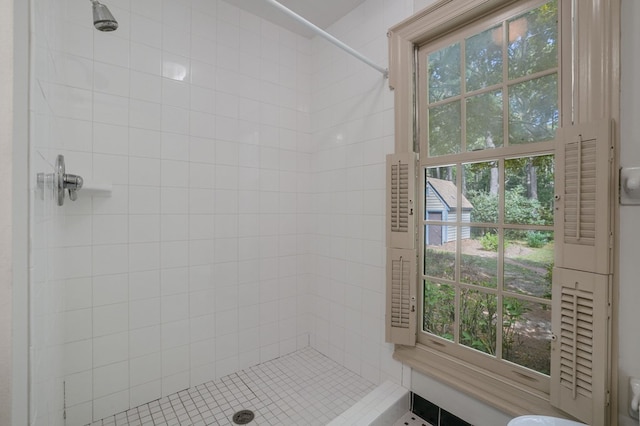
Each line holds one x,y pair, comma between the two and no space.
329,37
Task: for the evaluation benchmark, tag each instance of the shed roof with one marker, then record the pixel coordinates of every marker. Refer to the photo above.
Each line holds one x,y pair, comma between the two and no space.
448,192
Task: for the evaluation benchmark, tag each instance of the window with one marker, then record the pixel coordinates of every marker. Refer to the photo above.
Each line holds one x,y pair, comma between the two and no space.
500,201
488,107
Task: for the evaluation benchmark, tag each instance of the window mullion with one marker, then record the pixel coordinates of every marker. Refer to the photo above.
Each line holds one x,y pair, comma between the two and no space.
505,87
501,239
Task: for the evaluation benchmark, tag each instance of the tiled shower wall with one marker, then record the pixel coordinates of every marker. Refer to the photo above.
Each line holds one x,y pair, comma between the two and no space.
352,128
197,114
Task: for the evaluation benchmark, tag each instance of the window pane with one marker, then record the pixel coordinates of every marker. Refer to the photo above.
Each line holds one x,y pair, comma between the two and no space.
483,56
484,121
480,189
533,41
478,317
441,193
529,190
479,262
444,73
526,334
444,129
439,312
533,110
528,262
439,256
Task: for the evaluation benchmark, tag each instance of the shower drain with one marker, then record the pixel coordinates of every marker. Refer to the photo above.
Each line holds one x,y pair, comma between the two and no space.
243,417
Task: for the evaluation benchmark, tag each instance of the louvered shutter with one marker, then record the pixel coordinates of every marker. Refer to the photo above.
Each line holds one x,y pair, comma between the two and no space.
579,351
400,200
584,197
401,316
401,297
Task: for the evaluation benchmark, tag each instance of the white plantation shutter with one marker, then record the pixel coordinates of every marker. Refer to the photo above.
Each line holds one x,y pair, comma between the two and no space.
579,351
584,197
401,315
401,169
401,296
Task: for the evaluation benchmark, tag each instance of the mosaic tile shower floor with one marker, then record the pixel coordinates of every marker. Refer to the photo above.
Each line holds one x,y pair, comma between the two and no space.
302,388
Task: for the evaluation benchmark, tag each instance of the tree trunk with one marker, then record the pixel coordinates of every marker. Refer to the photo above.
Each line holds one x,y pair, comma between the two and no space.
532,181
493,183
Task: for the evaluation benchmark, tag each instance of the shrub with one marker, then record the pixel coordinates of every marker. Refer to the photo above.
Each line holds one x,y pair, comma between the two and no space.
536,239
489,242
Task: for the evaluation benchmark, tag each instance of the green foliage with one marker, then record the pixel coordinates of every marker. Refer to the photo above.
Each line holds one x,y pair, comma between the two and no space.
513,311
536,239
518,209
478,313
489,242
439,309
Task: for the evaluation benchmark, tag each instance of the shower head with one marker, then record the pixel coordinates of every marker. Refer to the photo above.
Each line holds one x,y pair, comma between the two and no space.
103,20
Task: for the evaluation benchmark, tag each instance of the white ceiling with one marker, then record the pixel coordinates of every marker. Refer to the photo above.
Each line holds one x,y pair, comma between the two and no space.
322,13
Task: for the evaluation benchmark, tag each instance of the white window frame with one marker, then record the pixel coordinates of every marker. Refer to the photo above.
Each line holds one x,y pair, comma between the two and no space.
589,57
511,371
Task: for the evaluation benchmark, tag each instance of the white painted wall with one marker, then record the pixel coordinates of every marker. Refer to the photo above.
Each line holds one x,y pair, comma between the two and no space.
6,187
629,337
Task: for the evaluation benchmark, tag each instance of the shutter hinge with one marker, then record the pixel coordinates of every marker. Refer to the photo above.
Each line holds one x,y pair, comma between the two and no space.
608,398
611,240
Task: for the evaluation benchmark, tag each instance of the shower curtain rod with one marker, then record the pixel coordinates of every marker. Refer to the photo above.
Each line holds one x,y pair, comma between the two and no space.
329,37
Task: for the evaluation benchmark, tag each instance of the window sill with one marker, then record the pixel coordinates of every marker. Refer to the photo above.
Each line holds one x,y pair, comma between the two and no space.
498,392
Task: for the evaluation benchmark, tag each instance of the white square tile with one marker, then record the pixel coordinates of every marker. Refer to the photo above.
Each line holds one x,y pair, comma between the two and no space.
110,289
144,341
77,357
77,293
175,334
109,49
145,369
175,360
110,229
110,349
175,308
110,259
111,109
144,313
144,228
144,285
114,403
144,256
77,325
110,379
111,79
110,319
146,58
145,31
110,139
145,115
144,200
79,387
174,254
174,227
146,86
174,281
144,393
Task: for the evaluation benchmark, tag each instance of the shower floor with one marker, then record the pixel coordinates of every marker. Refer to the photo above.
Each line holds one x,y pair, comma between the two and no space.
302,388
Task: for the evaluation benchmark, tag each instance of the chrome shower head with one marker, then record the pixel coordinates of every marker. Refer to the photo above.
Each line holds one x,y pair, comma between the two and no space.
103,20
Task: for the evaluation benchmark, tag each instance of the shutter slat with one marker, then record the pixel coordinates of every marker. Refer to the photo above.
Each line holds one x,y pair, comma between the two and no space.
579,352
400,196
583,201
401,321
